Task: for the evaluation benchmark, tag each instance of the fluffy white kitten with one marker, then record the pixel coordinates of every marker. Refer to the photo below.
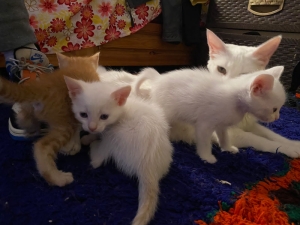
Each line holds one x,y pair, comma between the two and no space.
234,60
134,135
197,96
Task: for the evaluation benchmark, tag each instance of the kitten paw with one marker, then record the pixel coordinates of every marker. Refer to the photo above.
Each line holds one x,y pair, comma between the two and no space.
296,144
71,148
60,178
96,163
88,139
76,148
290,151
209,158
231,149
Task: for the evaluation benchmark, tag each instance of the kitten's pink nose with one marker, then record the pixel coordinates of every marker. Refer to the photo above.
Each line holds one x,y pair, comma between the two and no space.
92,126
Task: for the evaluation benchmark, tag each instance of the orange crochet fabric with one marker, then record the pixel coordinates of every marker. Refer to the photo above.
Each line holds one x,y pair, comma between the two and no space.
256,206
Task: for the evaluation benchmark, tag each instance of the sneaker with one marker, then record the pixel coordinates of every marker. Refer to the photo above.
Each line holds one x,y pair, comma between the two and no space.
18,134
28,64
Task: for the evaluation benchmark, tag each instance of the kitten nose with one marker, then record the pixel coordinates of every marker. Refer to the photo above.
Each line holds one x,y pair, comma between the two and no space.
92,126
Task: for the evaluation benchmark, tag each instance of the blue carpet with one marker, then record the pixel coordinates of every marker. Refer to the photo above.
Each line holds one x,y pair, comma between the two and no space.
105,196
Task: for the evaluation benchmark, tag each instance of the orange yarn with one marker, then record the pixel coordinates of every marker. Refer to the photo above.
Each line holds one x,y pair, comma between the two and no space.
255,206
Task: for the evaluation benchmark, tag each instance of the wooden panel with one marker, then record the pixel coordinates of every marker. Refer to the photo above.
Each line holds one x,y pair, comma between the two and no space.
117,57
144,48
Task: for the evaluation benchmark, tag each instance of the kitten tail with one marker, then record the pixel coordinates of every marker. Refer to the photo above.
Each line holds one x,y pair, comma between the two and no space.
11,92
148,198
148,73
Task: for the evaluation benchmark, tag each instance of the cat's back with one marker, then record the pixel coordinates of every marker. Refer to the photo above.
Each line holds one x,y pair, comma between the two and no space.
189,79
141,135
186,86
53,82
144,114
141,120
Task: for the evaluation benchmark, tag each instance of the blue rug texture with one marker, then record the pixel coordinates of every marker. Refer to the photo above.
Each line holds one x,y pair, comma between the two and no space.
105,196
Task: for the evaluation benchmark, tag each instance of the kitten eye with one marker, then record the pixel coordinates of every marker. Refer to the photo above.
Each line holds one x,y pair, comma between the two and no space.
83,115
221,70
274,110
104,117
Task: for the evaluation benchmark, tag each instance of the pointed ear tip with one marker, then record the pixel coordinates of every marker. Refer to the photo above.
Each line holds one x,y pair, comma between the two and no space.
97,54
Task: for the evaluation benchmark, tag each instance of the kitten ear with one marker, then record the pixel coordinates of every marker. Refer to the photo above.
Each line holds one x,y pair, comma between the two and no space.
261,84
95,59
215,44
73,86
265,51
63,60
276,71
121,95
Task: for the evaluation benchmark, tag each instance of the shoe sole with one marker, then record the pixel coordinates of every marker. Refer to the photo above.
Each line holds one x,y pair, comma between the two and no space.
19,135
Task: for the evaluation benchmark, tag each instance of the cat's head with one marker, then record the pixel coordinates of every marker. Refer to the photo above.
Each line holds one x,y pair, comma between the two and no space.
68,61
266,94
96,105
233,60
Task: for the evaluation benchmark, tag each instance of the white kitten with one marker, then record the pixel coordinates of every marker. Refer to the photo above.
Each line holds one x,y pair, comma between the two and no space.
234,60
134,135
198,96
122,78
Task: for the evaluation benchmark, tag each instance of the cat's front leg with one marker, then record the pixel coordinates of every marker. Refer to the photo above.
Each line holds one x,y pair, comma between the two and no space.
224,141
99,153
203,142
89,138
243,139
269,134
74,145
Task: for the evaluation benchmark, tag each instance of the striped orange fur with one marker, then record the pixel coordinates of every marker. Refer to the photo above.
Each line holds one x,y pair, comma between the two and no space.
51,93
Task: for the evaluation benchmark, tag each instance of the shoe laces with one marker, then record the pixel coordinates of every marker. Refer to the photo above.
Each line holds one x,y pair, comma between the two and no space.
19,65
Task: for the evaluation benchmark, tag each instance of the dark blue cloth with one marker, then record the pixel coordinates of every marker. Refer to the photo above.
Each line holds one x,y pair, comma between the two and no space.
105,196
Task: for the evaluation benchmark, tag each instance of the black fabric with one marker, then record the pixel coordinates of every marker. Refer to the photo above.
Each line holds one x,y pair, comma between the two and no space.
295,79
181,21
136,3
172,20
191,16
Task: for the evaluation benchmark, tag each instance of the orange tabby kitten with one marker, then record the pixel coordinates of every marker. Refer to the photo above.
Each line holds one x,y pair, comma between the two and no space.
47,100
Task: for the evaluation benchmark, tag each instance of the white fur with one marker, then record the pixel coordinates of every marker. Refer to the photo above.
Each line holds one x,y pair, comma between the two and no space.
239,60
135,136
122,78
198,96
236,59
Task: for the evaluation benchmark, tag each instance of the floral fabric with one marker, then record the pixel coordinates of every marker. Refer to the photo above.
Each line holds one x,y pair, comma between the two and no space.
67,25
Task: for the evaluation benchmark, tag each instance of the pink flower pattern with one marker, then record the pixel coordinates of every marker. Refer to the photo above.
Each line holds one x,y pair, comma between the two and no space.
112,33
105,9
81,29
84,29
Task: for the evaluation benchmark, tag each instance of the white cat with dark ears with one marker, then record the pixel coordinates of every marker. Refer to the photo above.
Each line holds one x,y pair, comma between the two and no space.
134,134
197,96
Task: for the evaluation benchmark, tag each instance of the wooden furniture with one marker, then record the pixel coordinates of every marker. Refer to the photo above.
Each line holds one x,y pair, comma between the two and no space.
143,48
